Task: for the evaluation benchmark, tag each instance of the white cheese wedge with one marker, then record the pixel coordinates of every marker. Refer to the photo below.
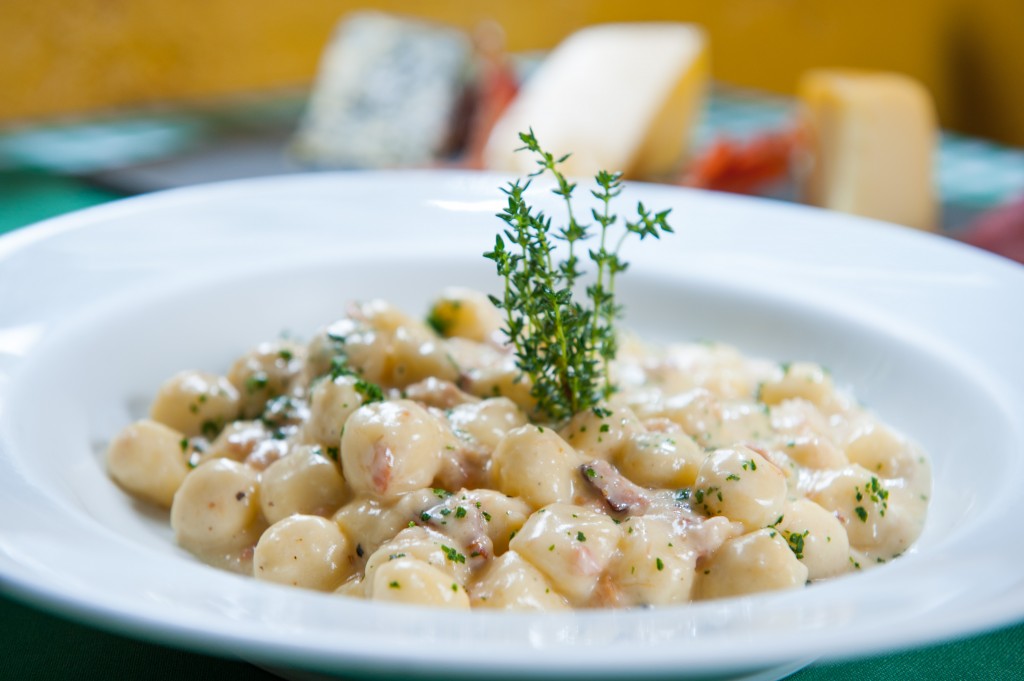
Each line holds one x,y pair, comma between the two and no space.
871,140
616,96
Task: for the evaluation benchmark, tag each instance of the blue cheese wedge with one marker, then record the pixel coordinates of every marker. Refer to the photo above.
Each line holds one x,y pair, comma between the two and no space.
387,94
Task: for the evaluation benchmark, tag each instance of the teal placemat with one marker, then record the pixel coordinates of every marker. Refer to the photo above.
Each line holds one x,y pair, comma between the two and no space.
977,173
997,656
40,646
35,646
29,196
119,139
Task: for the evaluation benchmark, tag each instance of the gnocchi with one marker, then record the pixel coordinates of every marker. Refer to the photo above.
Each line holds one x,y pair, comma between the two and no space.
401,460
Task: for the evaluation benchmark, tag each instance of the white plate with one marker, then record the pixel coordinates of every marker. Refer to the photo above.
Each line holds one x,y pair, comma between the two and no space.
100,306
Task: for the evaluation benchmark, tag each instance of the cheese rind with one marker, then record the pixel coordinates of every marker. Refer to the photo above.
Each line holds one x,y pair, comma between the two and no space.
618,97
871,143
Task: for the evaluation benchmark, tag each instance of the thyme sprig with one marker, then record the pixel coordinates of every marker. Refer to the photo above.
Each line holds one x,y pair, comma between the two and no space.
562,344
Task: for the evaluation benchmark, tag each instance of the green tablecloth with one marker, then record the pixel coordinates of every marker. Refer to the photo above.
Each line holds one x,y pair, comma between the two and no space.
36,645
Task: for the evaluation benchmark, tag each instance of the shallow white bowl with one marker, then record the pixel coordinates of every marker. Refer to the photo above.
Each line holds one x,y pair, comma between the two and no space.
100,306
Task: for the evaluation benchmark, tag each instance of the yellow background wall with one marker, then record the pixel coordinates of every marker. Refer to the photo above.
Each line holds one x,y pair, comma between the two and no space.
62,57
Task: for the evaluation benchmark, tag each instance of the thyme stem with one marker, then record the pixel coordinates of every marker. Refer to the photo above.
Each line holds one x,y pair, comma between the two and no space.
562,345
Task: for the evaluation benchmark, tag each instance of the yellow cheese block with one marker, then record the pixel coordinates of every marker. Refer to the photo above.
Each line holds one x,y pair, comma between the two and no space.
616,96
872,136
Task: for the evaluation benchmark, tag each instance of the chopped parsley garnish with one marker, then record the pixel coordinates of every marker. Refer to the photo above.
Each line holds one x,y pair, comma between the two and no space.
211,428
879,495
876,493
256,382
659,564
453,555
438,322
371,392
581,537
796,542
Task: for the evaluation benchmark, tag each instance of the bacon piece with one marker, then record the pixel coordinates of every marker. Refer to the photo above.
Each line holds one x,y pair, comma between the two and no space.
382,464
619,492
